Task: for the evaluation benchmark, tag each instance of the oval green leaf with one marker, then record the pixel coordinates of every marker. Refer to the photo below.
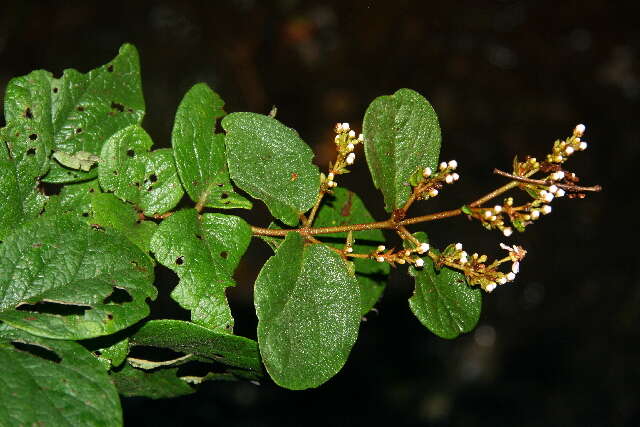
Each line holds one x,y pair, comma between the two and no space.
442,300
269,161
146,179
61,278
53,382
200,153
203,250
402,134
308,308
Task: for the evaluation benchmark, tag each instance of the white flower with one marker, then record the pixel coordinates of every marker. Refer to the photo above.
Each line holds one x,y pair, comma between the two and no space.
490,287
548,197
557,176
553,189
448,179
351,158
361,137
426,172
352,133
456,176
419,262
497,208
381,248
424,247
507,231
433,192
453,164
488,214
463,258
579,130
560,192
339,127
380,259
582,146
535,214
511,277
443,166
515,267
350,147
345,127
569,150
458,246
330,176
502,280
349,249
546,209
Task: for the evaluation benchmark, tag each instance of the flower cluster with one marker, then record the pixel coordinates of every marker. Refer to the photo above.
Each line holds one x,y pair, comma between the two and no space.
405,256
346,142
475,266
563,149
427,183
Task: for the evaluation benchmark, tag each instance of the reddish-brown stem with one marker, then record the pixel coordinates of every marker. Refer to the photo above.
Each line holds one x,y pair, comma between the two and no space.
568,187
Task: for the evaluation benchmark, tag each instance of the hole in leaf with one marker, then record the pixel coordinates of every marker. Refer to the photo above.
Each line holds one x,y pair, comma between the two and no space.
153,177
115,172
110,68
57,308
116,106
33,136
85,214
91,190
97,353
130,152
55,90
110,316
28,114
224,195
224,254
180,260
97,227
79,130
220,184
199,236
31,151
80,108
37,350
118,296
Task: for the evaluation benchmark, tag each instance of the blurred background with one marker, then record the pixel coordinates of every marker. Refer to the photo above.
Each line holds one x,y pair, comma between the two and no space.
559,346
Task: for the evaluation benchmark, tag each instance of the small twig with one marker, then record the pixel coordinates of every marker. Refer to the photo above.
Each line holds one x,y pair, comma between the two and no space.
568,187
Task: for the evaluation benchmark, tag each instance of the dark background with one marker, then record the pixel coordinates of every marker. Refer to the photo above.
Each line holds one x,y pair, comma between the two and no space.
558,347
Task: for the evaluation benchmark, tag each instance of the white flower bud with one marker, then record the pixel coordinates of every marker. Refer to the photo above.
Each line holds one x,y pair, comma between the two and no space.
548,197
443,166
493,218
339,127
569,150
330,176
579,130
407,252
553,189
502,280
352,133
426,172
560,192
507,231
381,248
557,176
490,287
535,214
463,258
349,249
361,137
350,147
511,277
350,159
401,261
488,214
582,146
546,209
448,179
419,262
458,246
345,127
456,176
433,192
497,208
424,247
515,267
380,259
453,164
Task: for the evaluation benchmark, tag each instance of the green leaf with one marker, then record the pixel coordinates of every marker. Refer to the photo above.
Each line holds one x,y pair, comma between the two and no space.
53,382
270,162
200,153
344,207
78,112
73,199
402,134
308,308
204,343
146,179
160,384
442,300
203,250
61,278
